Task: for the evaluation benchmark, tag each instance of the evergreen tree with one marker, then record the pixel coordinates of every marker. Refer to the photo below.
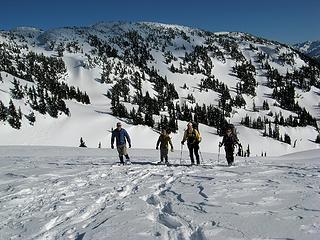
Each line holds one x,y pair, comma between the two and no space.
139,118
51,107
3,112
164,122
42,108
16,91
287,139
148,119
248,151
82,143
318,139
31,117
13,116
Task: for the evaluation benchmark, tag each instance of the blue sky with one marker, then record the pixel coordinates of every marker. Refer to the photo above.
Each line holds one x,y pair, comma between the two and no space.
283,20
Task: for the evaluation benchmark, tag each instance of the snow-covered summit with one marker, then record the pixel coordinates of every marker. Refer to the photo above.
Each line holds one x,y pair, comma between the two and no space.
312,48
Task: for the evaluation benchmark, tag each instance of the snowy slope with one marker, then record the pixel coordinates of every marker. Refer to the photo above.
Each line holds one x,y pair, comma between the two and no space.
72,193
94,121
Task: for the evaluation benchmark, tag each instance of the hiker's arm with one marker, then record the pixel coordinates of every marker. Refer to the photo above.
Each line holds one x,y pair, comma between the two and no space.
170,142
127,137
184,137
112,139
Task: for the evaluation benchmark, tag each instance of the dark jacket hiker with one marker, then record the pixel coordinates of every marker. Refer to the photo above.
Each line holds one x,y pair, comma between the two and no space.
121,137
164,140
193,138
229,141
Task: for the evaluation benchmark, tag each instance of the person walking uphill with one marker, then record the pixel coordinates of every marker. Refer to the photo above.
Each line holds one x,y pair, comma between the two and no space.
229,141
164,140
121,137
193,138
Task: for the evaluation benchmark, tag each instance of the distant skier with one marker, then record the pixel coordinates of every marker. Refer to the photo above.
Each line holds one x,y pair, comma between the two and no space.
164,140
121,137
193,138
229,141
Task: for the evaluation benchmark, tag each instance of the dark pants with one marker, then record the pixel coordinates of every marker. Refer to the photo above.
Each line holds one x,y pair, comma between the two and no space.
229,153
164,154
194,148
121,158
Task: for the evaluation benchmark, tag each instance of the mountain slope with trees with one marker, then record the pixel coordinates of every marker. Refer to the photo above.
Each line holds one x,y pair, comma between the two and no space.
63,84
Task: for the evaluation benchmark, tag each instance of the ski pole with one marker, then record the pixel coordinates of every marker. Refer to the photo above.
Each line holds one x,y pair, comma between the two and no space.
219,154
181,153
201,157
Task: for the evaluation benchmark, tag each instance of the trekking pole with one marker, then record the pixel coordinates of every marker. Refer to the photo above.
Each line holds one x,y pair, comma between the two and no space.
219,154
201,157
181,153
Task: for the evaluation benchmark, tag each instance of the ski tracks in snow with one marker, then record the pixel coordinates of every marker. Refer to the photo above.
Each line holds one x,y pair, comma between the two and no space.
87,197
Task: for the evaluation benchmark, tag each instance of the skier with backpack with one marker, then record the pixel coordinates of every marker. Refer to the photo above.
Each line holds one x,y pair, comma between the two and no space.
121,137
229,141
193,138
164,140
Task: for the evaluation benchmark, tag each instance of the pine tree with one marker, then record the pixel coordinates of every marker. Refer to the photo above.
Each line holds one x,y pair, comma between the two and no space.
16,91
148,119
82,143
248,151
287,139
31,117
139,118
318,138
42,104
13,116
3,112
1,80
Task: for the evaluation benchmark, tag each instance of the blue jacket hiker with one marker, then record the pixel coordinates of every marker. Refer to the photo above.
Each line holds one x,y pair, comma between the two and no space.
121,137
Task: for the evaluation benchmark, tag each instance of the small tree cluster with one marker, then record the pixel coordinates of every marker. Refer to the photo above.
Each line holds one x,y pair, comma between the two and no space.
11,115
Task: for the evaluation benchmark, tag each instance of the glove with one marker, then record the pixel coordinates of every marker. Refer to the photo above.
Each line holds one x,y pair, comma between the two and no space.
172,150
220,144
129,145
182,142
112,146
157,148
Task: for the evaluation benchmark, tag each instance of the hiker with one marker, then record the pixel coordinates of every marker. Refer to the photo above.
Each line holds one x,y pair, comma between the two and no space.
164,140
122,137
229,141
193,138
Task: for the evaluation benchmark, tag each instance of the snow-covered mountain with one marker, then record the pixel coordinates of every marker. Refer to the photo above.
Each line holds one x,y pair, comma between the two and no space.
71,193
311,48
62,84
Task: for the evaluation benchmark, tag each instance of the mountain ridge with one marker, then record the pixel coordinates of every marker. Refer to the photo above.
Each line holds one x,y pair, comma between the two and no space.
134,67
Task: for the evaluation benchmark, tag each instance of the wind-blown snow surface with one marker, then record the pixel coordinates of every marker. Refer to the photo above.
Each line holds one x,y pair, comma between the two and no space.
71,193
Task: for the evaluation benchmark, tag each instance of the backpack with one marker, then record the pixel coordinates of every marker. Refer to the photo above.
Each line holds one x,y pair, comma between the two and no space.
195,126
233,130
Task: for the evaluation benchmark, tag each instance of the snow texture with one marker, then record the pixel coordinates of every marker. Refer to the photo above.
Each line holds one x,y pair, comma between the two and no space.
72,193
